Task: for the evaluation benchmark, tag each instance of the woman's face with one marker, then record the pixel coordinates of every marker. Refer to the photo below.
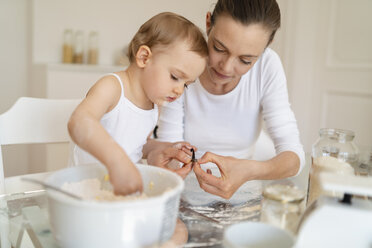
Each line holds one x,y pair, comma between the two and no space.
233,48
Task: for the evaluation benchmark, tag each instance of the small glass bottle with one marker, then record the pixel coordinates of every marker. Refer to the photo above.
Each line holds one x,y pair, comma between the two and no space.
93,48
79,47
365,163
68,49
333,152
282,206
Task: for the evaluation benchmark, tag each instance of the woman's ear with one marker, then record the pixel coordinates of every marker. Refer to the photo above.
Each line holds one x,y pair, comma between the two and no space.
143,56
208,22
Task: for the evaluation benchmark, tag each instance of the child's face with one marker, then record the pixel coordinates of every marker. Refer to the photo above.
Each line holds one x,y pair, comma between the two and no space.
169,70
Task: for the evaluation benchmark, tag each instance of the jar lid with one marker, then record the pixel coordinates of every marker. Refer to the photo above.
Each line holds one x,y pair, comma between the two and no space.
341,135
283,193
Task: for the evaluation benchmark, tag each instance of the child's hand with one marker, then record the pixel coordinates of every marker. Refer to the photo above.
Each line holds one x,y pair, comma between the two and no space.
184,170
184,146
169,156
163,155
125,179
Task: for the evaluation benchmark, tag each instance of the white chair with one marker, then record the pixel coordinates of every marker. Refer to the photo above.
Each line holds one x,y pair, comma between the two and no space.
33,121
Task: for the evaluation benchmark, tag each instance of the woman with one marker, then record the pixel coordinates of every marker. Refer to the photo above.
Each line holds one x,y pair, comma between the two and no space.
222,113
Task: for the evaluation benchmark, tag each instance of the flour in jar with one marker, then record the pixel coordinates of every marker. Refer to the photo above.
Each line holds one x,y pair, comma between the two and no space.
330,165
91,189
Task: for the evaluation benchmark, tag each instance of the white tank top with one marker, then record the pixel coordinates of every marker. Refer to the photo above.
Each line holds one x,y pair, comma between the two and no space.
127,124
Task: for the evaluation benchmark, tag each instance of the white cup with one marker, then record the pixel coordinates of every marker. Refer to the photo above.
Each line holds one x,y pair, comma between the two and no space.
257,235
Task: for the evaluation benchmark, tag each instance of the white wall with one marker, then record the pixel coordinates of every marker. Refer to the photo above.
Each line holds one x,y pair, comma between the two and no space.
116,22
14,51
14,59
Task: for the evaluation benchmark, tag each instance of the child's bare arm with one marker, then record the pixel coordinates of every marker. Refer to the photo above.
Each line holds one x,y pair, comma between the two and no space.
87,132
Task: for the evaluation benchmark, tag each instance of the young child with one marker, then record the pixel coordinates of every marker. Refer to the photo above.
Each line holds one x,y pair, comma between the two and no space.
112,123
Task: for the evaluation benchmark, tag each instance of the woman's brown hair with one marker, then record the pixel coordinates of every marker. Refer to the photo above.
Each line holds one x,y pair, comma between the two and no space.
164,29
264,12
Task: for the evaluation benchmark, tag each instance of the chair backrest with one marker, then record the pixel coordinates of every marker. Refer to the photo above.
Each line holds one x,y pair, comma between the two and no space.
32,121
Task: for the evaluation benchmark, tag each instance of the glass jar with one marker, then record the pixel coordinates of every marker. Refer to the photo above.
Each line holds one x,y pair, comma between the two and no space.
93,48
68,50
365,163
79,47
282,206
333,152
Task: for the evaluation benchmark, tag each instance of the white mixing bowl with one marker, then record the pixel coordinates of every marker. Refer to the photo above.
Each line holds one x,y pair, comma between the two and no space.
138,223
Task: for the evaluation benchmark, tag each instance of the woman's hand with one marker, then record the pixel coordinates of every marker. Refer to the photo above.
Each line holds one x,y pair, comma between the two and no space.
233,174
166,153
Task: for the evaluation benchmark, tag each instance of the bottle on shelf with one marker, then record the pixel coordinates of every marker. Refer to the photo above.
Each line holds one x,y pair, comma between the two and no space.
68,49
93,48
79,47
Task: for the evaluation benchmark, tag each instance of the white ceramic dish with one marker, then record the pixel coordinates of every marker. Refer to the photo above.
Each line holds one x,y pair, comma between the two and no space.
138,223
256,235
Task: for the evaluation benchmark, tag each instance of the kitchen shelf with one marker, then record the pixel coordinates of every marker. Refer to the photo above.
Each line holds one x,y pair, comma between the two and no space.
66,81
82,67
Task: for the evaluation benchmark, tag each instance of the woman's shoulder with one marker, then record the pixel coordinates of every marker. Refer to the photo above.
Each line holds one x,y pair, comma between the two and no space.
269,65
268,72
269,56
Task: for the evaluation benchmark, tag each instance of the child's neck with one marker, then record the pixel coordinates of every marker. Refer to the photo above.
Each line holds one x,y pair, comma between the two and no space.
134,90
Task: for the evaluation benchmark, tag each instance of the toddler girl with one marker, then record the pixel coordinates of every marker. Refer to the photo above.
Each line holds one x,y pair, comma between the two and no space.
112,123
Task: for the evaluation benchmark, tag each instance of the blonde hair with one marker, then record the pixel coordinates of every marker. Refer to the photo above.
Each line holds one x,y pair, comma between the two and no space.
164,29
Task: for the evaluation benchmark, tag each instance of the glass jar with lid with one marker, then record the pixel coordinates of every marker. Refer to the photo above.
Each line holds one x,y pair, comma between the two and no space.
282,205
333,152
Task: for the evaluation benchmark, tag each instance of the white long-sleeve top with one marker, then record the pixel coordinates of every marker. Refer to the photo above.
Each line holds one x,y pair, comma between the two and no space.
230,124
